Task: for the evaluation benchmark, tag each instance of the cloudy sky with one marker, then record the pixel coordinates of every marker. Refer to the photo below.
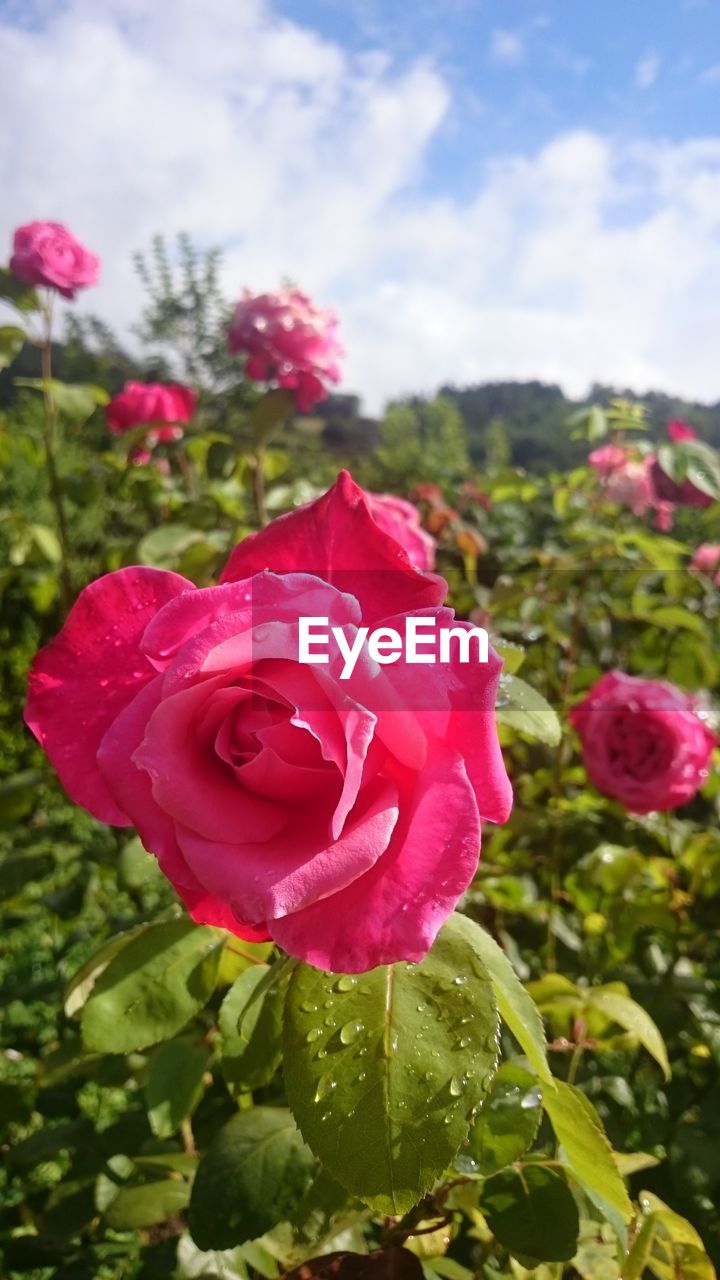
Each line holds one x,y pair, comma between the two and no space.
483,188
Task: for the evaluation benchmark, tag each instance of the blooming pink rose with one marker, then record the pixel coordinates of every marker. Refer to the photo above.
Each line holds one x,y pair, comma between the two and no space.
707,560
630,486
643,742
289,341
607,459
153,403
681,495
46,253
678,430
401,520
339,816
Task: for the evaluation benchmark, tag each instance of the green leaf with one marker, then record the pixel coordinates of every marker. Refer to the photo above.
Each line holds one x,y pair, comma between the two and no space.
163,547
78,401
132,1194
508,1121
667,1245
513,655
251,1027
82,983
515,1005
630,1015
252,1176
588,1153
22,296
531,1211
136,867
12,340
269,411
152,988
384,1070
521,707
174,1084
47,541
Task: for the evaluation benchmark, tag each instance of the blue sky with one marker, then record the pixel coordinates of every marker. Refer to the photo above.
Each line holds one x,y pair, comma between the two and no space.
482,188
522,70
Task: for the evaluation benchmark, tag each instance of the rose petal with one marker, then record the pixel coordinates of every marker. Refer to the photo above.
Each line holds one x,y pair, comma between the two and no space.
297,867
132,791
337,539
90,671
394,911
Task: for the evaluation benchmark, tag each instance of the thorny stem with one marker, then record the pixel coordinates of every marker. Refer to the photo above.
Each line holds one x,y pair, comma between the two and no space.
55,482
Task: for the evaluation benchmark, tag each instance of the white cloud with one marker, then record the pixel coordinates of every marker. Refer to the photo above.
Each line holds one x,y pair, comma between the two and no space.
507,47
646,71
590,259
711,74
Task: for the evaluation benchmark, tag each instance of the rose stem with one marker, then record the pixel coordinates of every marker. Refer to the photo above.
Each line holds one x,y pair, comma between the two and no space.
50,428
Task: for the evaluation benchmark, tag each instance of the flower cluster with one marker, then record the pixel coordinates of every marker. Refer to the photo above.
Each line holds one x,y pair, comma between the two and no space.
640,483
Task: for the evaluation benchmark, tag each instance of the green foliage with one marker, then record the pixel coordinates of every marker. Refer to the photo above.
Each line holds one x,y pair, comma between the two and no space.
161,1078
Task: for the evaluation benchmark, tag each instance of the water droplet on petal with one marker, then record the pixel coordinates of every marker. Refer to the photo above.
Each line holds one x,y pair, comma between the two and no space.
459,981
457,1084
313,1034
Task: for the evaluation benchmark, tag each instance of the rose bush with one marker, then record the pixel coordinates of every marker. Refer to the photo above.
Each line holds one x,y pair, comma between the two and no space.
401,520
46,253
341,819
162,405
643,742
288,341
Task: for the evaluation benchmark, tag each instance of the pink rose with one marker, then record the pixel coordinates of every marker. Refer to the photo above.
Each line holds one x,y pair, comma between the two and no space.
678,430
339,816
707,560
643,742
607,459
288,341
630,486
684,494
46,253
681,495
401,520
152,403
